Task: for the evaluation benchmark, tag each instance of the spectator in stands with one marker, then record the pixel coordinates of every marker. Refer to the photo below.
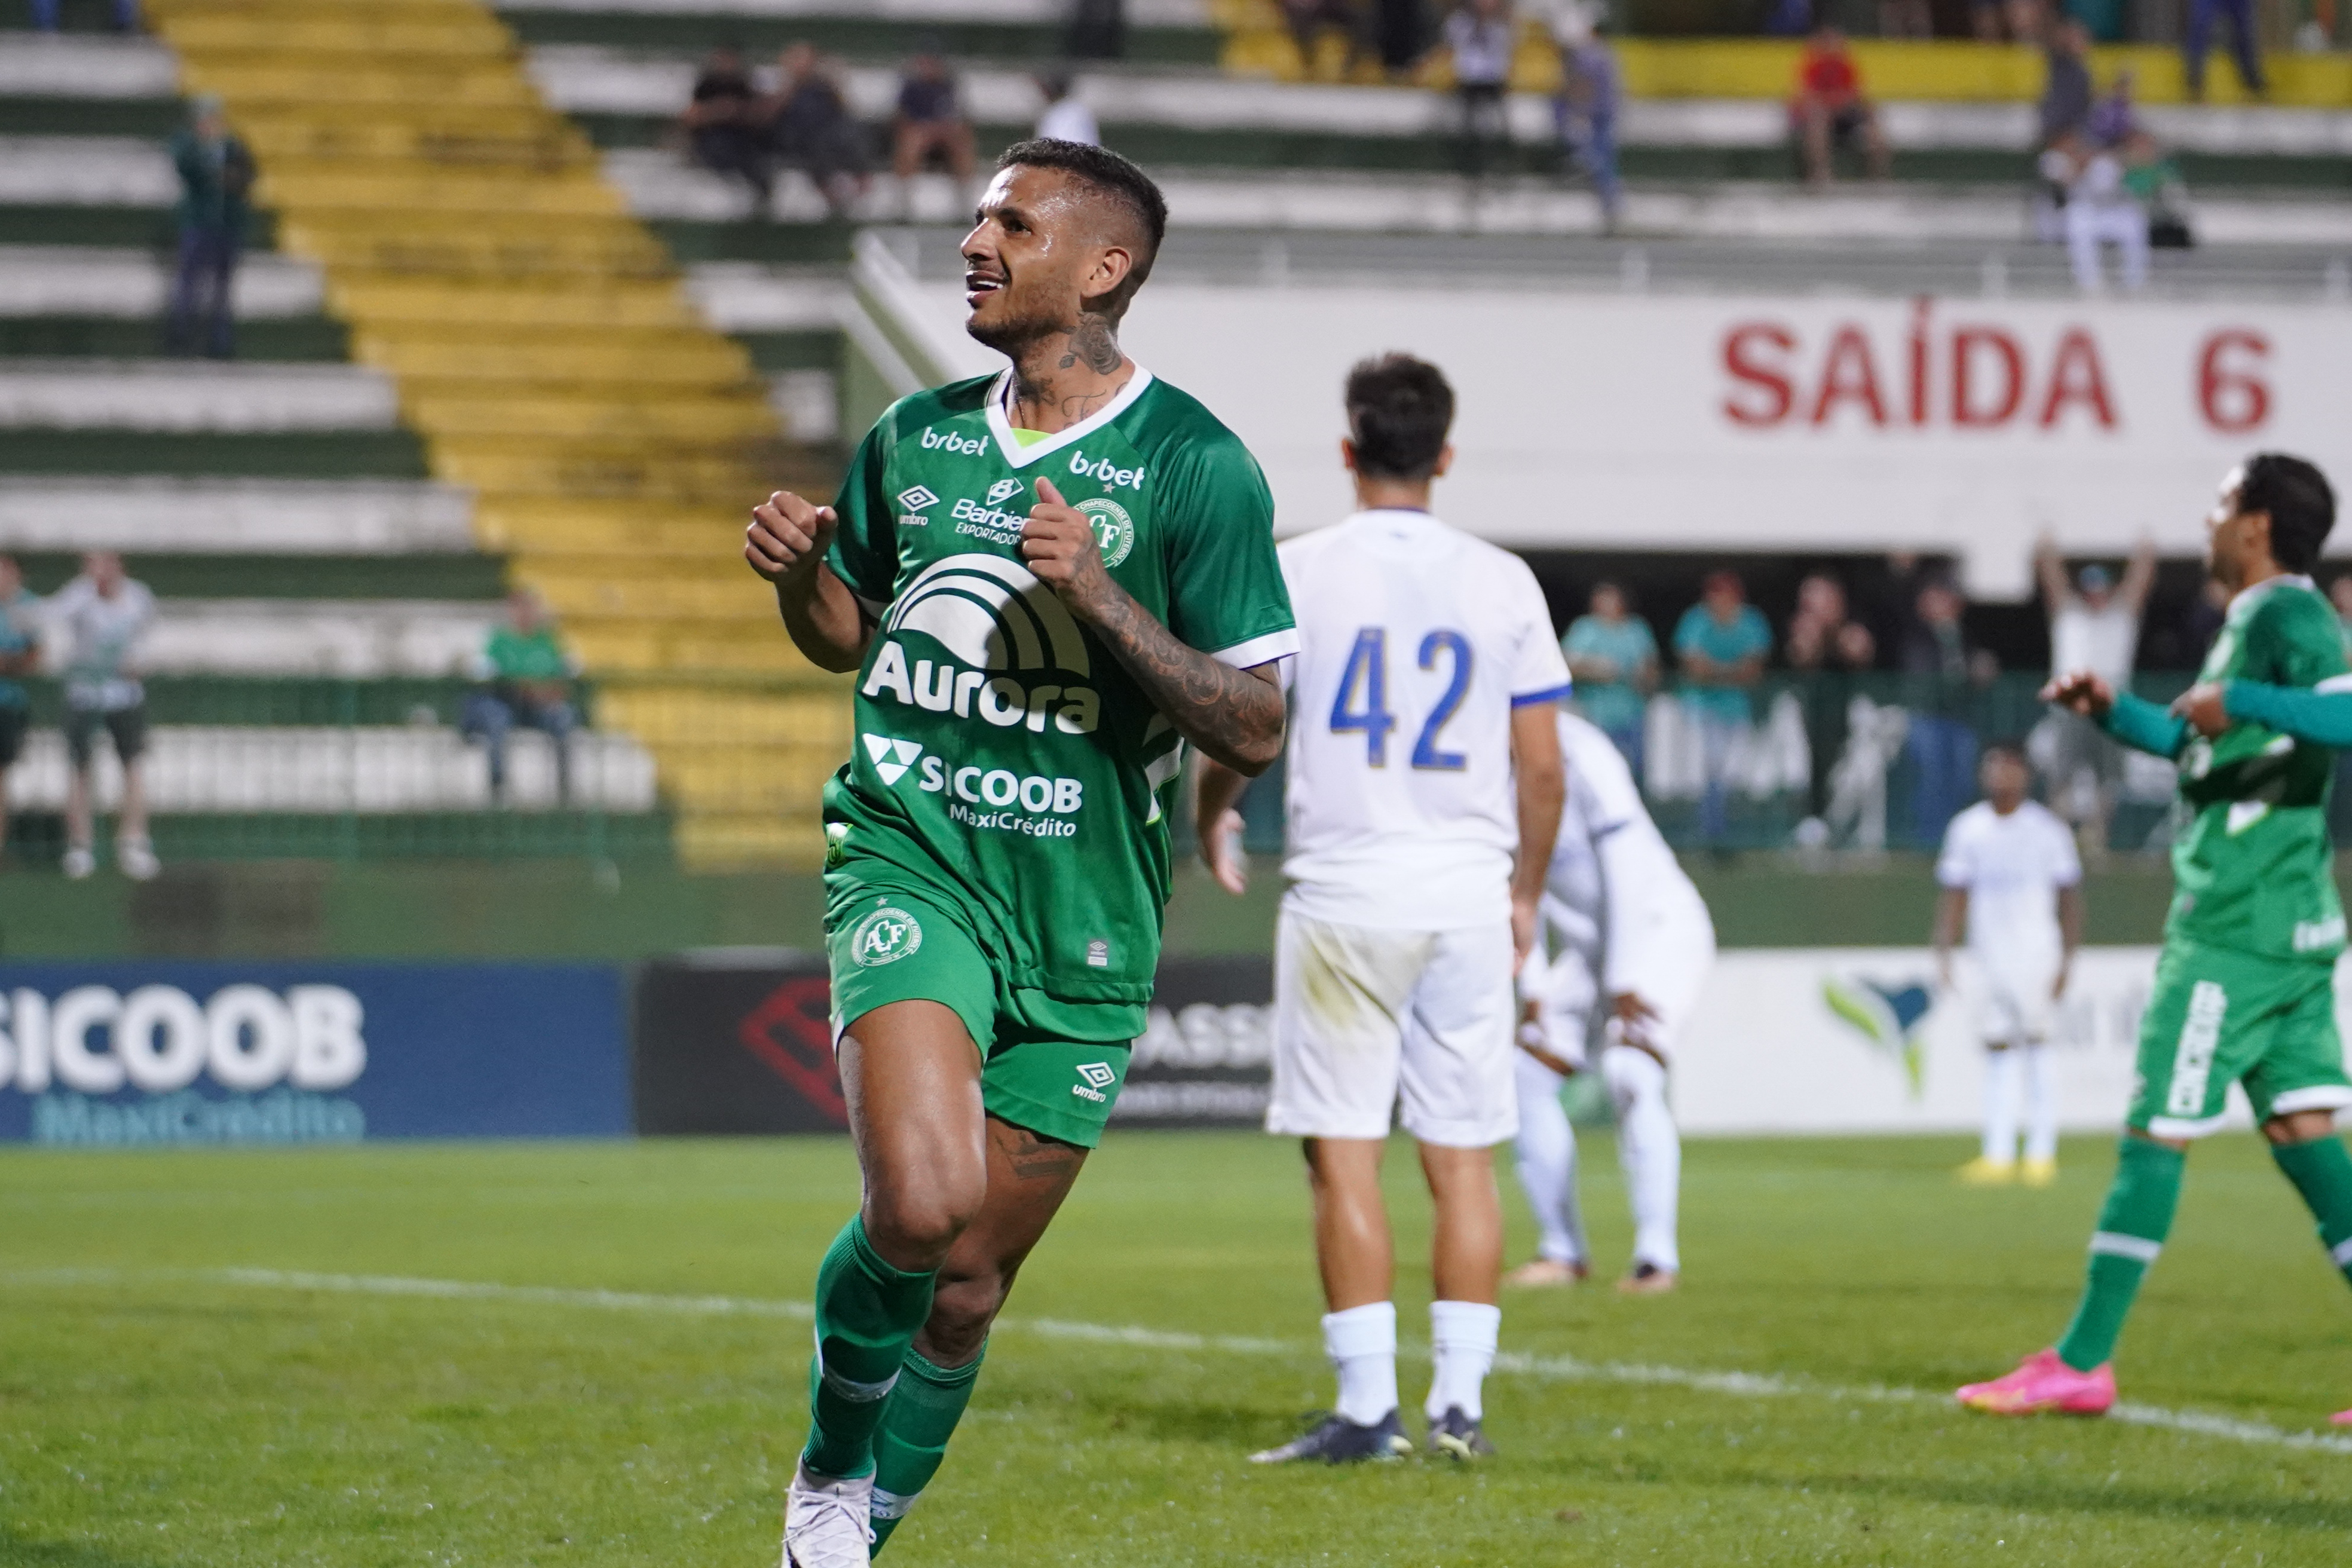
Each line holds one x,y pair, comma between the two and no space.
1788,18
1585,112
2066,104
2024,19
1613,655
125,16
930,129
2245,47
2093,625
216,181
1480,38
809,125
1830,110
103,614
1942,675
528,682
1905,19
725,126
1308,20
1066,117
1721,642
2102,208
19,652
1829,649
1400,32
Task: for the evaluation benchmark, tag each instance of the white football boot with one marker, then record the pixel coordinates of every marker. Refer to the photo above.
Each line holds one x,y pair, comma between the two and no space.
826,1524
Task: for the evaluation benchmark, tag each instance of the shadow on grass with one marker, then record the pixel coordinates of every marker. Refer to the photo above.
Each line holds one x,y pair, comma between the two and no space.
23,1551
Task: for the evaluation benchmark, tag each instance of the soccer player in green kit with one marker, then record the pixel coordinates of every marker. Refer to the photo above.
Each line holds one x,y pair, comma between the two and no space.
2245,992
1049,581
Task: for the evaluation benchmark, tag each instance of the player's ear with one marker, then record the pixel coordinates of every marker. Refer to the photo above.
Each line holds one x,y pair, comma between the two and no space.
1112,268
1445,461
1348,454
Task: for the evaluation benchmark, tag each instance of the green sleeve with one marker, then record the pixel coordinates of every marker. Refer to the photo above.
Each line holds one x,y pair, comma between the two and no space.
2146,727
2323,718
864,553
1224,582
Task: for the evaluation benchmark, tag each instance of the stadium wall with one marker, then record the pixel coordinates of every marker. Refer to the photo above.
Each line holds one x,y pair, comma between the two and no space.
1968,425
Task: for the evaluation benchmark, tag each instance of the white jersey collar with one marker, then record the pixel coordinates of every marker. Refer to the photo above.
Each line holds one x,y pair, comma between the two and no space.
1000,421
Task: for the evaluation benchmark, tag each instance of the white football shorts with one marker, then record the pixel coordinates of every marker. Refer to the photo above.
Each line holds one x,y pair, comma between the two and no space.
2013,1005
1370,1022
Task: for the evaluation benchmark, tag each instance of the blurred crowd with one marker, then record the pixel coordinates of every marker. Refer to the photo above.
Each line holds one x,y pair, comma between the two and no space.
1877,682
798,116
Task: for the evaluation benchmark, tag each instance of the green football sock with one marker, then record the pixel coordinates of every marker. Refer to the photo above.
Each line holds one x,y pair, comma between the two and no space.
2322,1171
918,1419
2132,1223
866,1315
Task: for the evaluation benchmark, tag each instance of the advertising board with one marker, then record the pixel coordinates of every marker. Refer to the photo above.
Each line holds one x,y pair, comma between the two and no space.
140,1053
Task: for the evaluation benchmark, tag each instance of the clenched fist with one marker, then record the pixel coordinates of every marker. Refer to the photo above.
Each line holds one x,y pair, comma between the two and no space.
787,534
1059,546
2202,706
2081,692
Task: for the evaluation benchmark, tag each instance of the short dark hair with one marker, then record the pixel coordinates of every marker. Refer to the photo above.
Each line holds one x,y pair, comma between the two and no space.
1399,411
2013,750
2300,506
1113,176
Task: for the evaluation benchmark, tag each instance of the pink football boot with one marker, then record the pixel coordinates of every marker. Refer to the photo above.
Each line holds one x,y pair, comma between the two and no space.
2341,1418
2042,1383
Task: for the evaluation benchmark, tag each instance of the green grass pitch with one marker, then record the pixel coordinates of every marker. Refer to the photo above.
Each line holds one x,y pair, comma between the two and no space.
171,1393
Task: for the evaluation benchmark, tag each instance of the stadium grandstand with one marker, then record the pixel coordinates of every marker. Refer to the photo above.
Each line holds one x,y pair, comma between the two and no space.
497,329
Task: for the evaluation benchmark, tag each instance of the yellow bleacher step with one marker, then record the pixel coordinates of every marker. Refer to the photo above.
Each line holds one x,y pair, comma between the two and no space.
317,30
477,244
614,469
717,557
667,714
577,525
259,82
322,188
394,301
509,136
657,647
478,412
643,358
740,596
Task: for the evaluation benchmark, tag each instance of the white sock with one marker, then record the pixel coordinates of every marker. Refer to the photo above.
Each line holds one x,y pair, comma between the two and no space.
1650,1149
1361,1343
1462,1337
2001,1106
1546,1150
2040,1106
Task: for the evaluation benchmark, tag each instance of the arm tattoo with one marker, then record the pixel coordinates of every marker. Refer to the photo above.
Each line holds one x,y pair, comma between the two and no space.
1230,714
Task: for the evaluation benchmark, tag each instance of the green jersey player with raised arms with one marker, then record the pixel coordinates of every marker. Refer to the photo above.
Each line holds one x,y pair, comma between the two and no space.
2245,990
1049,581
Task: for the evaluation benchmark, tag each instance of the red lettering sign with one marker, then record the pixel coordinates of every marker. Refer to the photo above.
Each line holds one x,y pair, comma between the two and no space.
1739,351
2076,376
1967,412
2232,393
1849,375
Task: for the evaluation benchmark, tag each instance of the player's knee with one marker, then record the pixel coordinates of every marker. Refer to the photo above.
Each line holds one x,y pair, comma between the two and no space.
920,1222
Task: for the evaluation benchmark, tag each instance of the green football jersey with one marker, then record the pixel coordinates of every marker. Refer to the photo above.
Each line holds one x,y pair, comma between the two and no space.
1004,757
2254,870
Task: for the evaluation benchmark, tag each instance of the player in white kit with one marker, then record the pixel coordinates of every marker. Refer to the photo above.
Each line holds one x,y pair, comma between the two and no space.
2009,873
1634,946
1423,792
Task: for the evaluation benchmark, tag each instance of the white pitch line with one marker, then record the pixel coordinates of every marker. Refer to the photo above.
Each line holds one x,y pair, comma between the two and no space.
1563,1368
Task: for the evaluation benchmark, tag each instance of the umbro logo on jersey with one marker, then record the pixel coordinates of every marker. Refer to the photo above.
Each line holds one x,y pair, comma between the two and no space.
891,758
916,498
1097,1076
1003,489
949,441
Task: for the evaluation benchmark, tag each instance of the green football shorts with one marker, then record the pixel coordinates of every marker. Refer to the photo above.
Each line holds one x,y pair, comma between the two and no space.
885,945
2217,1018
